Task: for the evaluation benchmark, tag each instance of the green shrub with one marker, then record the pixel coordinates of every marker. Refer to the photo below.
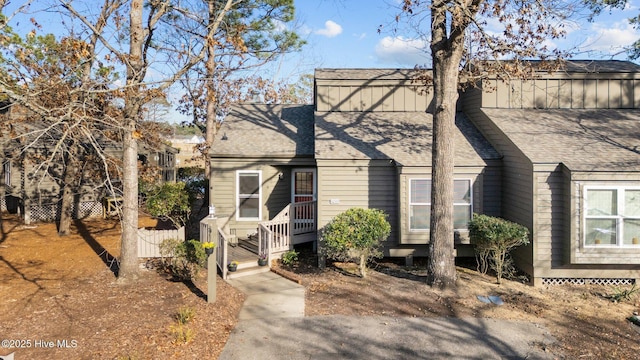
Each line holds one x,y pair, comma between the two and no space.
170,201
494,238
183,259
290,258
356,235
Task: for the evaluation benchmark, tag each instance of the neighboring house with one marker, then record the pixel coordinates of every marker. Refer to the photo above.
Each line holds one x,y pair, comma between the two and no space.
189,155
32,186
559,155
162,157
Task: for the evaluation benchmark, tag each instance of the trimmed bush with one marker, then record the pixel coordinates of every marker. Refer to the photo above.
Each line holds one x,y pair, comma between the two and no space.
183,259
494,238
356,235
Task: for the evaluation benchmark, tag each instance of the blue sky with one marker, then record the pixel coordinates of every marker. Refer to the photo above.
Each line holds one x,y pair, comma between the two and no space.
343,33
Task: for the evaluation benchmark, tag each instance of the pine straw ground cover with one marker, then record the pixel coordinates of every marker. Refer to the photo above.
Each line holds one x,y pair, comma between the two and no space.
57,289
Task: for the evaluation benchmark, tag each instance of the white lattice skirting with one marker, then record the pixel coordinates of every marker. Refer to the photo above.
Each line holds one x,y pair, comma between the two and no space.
588,281
51,212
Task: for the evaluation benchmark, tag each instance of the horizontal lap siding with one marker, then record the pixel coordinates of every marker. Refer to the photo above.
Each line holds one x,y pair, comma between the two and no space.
549,219
491,194
343,187
517,179
275,191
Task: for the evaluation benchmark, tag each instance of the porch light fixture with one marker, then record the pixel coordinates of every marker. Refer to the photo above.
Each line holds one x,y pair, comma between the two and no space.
212,212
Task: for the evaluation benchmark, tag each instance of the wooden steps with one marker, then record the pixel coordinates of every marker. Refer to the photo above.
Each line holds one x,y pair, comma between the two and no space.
246,268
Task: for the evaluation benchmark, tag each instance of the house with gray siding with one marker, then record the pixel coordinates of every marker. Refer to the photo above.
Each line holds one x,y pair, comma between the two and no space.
31,177
570,142
558,154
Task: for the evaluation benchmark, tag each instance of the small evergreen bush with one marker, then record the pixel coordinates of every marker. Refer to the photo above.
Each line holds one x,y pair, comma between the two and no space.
183,259
290,258
356,234
494,238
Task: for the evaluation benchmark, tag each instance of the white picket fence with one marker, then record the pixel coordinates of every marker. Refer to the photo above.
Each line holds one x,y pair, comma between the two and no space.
149,240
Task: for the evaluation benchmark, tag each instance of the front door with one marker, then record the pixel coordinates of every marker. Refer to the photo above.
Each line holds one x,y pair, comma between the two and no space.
303,197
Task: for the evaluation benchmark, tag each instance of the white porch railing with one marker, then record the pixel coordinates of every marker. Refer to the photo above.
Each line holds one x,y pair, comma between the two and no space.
276,235
222,252
264,242
304,217
210,232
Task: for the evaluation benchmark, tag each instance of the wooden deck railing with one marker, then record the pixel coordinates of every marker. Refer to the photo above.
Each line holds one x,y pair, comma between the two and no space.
222,251
276,235
304,217
210,232
264,242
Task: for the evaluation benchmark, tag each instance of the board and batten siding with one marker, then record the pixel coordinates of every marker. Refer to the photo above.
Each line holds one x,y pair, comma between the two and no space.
366,184
599,91
276,191
371,97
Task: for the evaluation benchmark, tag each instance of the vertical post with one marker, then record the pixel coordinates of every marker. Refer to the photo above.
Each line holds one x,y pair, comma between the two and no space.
212,275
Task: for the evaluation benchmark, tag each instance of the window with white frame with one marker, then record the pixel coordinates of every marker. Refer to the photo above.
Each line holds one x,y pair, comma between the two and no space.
420,204
612,216
6,170
248,191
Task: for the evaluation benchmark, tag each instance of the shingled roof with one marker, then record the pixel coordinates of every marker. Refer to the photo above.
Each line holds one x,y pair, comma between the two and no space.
574,66
582,139
401,136
600,66
258,130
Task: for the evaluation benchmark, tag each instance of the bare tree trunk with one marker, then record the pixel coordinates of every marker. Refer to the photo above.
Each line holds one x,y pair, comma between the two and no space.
211,128
70,187
214,21
446,55
129,251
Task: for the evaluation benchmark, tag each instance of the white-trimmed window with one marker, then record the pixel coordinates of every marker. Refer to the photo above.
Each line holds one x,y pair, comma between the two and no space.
420,204
248,195
612,216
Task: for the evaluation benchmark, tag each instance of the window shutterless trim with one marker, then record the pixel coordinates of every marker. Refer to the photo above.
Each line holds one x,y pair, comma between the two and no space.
258,196
409,203
619,217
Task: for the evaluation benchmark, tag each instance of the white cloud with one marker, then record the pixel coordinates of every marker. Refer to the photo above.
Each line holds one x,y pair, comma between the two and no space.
360,36
279,26
402,51
331,29
611,38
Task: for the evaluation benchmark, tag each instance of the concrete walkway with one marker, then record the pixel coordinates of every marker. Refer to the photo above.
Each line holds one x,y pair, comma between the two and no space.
269,296
272,326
